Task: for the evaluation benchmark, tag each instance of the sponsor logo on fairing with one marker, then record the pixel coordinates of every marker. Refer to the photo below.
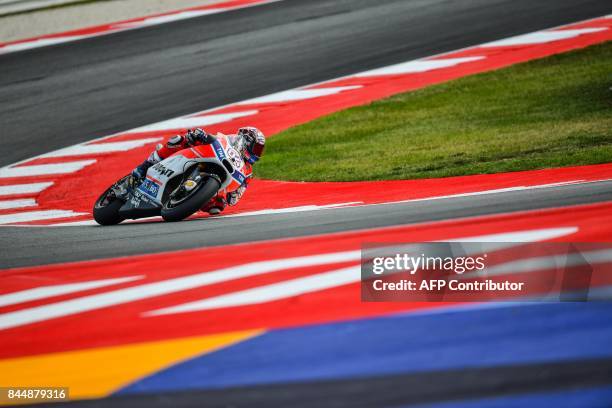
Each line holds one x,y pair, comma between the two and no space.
150,187
219,150
239,177
163,170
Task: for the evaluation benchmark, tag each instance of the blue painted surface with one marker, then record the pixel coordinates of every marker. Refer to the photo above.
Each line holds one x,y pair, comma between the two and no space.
579,398
481,337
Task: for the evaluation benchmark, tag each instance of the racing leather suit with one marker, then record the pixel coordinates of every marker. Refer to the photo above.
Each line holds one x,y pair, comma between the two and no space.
196,138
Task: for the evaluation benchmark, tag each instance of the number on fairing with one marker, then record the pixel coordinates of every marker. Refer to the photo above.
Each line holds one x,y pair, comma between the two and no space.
235,157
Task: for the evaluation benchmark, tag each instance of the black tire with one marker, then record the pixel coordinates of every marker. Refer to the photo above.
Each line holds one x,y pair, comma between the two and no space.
107,214
203,193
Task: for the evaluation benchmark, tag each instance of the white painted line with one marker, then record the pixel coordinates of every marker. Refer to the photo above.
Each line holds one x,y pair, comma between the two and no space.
131,294
292,209
36,216
487,243
498,190
9,204
14,6
340,277
73,224
124,26
417,66
44,169
43,42
328,280
87,222
184,15
16,189
184,122
117,297
44,292
527,265
270,211
485,192
520,236
298,94
244,214
541,37
270,293
193,121
100,148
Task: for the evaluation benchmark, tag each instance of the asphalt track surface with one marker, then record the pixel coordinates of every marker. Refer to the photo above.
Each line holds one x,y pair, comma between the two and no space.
35,246
57,96
61,95
390,391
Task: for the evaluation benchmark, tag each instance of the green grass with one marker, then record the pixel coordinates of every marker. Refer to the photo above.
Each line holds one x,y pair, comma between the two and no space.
552,112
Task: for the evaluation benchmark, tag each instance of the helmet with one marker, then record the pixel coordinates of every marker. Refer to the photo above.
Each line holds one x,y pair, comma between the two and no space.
254,143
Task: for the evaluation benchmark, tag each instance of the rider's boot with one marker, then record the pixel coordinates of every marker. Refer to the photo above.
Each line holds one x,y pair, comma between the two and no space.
139,173
215,205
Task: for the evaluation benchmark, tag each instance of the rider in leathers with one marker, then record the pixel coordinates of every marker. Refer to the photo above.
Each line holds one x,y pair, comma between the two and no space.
249,141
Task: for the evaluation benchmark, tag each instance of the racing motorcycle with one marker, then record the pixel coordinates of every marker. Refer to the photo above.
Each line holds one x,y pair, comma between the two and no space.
176,187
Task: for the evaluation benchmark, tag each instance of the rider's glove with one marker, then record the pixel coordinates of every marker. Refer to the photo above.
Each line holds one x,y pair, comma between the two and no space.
234,196
198,136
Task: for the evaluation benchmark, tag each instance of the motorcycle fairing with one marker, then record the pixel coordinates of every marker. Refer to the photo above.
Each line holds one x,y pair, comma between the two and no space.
221,146
139,206
159,174
149,187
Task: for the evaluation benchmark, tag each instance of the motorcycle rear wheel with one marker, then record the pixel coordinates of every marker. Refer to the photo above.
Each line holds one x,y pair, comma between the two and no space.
196,199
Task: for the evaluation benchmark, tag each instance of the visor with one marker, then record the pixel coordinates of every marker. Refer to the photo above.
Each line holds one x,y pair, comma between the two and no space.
257,150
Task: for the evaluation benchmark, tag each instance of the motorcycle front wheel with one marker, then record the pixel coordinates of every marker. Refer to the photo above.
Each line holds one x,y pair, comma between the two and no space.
181,207
106,208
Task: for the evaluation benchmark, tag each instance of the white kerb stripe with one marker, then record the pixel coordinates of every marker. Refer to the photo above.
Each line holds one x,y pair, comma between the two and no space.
541,37
340,277
193,121
93,302
44,292
527,265
298,94
270,293
411,67
521,236
29,216
117,297
16,189
44,169
100,148
10,204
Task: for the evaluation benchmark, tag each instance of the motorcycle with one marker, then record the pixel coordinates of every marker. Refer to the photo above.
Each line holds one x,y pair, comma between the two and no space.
176,187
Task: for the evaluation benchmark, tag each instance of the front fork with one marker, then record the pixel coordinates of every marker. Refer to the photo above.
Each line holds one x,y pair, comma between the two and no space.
194,178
